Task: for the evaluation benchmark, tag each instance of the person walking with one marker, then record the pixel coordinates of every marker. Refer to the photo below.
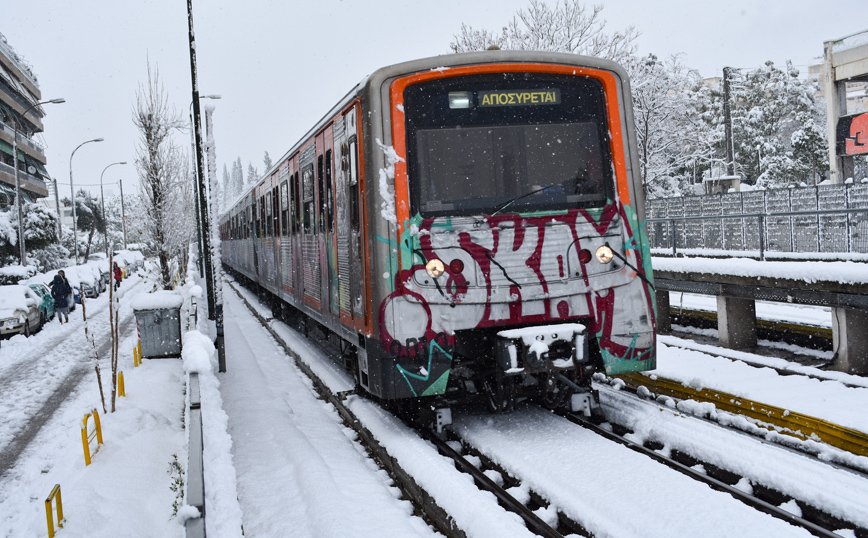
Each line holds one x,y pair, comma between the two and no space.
60,291
118,276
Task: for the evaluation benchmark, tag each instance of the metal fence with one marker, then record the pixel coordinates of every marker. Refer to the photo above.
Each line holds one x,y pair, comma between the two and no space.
827,219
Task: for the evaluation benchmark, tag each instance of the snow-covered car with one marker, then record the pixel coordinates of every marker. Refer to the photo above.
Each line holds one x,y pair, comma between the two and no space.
19,310
99,261
47,305
86,277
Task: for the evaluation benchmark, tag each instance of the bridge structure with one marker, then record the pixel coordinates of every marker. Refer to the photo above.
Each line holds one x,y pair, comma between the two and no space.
738,284
844,60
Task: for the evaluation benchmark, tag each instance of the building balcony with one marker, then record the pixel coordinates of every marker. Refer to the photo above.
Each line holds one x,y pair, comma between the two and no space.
33,186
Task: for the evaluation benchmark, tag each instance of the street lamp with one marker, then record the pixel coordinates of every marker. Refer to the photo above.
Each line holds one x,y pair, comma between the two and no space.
23,252
102,203
199,212
72,194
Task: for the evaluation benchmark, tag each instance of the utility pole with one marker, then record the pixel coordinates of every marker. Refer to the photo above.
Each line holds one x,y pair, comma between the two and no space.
200,169
727,122
215,237
123,214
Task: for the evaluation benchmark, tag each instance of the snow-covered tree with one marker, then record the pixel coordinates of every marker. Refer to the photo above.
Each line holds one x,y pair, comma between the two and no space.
669,100
569,26
774,127
252,174
266,161
238,176
164,173
40,238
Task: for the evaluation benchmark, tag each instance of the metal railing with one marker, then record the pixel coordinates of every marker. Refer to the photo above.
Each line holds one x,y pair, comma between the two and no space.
828,219
195,527
791,231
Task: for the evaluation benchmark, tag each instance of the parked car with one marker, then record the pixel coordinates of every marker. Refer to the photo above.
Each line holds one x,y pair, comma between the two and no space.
19,310
100,262
47,305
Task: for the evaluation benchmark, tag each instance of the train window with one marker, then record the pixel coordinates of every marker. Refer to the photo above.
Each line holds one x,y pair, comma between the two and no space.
267,219
354,186
308,195
329,203
275,211
319,184
260,223
526,141
284,209
296,206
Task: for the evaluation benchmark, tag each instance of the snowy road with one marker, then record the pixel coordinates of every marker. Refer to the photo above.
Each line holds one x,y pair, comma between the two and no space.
34,383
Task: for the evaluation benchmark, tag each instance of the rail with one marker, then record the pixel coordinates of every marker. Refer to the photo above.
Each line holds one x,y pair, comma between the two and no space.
714,235
195,527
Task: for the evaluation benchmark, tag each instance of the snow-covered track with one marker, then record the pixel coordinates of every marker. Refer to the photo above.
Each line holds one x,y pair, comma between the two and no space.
688,469
789,422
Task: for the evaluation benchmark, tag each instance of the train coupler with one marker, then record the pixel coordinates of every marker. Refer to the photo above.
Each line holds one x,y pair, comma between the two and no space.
541,348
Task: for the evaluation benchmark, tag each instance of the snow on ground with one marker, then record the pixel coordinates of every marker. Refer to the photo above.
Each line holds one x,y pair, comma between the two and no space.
821,398
841,492
126,489
609,489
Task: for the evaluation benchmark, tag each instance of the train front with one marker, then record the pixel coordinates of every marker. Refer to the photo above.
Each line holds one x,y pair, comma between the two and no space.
521,264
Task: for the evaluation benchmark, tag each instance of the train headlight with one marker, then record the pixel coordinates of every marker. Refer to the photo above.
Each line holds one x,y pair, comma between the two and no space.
435,268
605,254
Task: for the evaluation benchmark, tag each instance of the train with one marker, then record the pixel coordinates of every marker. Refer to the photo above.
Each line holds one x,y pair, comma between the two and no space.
468,228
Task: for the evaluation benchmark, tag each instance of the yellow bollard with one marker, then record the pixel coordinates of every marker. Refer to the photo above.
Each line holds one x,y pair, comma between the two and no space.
135,357
49,513
121,391
86,438
139,347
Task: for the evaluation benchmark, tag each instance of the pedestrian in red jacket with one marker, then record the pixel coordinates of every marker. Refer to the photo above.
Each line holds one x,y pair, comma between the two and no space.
118,276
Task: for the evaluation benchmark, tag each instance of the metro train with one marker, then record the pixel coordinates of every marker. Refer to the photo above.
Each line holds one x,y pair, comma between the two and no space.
468,227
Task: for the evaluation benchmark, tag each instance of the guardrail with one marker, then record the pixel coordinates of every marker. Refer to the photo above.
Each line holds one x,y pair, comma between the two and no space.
195,527
832,230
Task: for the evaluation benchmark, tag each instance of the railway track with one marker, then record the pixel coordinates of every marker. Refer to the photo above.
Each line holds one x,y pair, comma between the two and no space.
533,507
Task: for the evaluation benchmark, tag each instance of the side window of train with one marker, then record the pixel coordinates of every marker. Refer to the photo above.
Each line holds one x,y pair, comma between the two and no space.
284,210
269,232
330,205
307,195
296,203
354,186
319,185
275,211
260,222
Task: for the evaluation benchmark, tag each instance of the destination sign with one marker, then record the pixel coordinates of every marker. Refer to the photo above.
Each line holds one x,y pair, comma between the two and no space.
520,97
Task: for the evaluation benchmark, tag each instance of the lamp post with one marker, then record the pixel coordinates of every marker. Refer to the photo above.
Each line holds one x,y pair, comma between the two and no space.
102,203
23,251
72,194
198,210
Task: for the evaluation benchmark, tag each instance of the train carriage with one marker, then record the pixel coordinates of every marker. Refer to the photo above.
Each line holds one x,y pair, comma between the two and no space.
470,226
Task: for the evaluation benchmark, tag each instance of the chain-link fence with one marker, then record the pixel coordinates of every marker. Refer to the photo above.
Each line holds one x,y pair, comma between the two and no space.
820,219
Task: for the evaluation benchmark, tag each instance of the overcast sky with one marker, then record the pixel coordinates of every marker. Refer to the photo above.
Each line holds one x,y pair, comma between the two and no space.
279,66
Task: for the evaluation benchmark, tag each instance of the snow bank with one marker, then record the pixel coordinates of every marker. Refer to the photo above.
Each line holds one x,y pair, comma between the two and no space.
811,272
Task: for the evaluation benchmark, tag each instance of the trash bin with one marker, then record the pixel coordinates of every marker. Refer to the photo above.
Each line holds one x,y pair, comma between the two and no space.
158,318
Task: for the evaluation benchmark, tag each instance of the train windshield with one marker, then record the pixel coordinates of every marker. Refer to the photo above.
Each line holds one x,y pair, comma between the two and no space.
507,142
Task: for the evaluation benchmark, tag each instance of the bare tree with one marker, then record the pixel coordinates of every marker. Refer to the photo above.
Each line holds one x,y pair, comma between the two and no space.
164,174
569,26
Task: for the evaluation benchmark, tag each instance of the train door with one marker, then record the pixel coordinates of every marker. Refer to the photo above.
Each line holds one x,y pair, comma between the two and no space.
295,220
356,266
253,232
285,241
322,226
328,208
312,285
